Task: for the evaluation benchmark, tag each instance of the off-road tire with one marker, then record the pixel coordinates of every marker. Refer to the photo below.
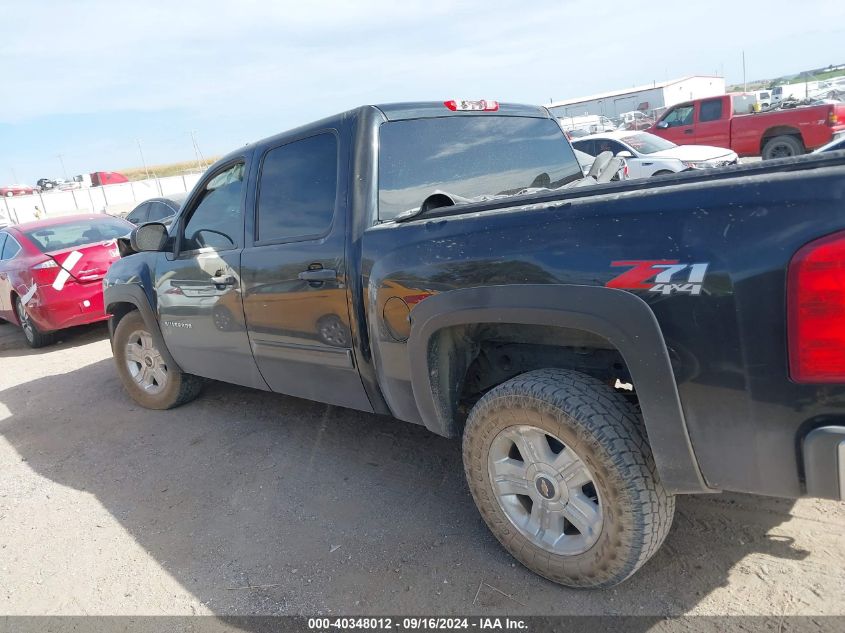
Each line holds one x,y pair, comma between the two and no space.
607,433
785,145
34,337
181,388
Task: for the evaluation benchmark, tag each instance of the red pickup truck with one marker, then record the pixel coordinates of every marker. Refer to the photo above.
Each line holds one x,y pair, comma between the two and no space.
778,134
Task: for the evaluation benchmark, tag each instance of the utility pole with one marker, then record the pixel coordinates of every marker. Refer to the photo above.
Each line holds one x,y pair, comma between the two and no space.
744,82
62,161
200,158
143,160
14,175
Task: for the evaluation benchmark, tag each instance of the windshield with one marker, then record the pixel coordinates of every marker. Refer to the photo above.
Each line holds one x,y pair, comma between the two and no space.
58,237
474,157
647,143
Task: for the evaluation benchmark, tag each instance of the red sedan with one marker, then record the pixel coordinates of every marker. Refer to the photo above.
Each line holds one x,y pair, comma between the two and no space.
16,190
51,272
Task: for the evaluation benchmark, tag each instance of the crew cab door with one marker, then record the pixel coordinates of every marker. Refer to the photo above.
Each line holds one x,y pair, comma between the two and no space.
677,125
713,122
294,272
198,285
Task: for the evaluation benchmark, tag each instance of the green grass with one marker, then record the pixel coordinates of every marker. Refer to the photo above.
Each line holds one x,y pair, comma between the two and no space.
766,84
168,169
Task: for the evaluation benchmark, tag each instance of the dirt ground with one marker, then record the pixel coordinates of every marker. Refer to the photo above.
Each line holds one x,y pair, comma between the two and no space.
245,502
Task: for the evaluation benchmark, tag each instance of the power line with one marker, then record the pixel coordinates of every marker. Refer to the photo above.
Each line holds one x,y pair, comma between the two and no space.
61,160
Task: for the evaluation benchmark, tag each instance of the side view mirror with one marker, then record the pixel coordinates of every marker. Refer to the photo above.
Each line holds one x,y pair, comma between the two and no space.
662,125
148,237
624,154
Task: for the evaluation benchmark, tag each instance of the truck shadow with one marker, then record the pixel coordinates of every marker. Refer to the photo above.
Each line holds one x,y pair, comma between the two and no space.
263,504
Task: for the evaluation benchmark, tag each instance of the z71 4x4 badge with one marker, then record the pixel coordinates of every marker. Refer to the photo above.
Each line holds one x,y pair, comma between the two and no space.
660,275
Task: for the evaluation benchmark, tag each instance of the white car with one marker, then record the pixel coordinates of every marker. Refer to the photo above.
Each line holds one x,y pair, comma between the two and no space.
586,161
649,155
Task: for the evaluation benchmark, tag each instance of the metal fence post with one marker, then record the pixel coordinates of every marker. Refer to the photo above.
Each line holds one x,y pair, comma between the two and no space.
91,198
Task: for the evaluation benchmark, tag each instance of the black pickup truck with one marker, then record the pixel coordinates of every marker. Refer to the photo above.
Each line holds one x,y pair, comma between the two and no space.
599,349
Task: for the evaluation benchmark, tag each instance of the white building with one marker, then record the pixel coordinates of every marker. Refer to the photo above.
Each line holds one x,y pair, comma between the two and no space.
657,96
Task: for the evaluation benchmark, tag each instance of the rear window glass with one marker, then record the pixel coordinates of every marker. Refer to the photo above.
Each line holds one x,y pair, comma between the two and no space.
473,157
77,233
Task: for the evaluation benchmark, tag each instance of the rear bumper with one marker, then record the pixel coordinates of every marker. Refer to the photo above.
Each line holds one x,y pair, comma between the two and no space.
824,462
75,304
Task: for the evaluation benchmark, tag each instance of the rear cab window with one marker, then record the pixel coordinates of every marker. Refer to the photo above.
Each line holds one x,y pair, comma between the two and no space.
470,157
78,233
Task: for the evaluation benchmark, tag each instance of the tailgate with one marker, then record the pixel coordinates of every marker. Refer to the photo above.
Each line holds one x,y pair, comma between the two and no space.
85,264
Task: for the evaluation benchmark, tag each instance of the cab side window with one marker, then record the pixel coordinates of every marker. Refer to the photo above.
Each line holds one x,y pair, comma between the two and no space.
297,189
710,110
216,222
682,115
2,241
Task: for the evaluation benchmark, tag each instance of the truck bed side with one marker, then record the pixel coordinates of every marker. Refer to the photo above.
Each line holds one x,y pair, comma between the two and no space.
726,344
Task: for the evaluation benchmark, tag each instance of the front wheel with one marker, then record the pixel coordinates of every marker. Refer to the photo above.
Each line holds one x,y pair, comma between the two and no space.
562,473
143,370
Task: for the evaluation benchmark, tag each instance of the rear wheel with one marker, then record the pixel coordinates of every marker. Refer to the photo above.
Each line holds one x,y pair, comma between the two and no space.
561,471
143,370
34,337
663,172
782,147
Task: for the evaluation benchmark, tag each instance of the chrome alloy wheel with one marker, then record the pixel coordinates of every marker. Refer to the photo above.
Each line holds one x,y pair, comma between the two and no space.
23,318
545,490
145,364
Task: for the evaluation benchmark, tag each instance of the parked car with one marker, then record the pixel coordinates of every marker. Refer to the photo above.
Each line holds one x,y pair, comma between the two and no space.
635,120
589,123
51,272
648,155
46,184
508,320
16,190
157,209
586,161
772,134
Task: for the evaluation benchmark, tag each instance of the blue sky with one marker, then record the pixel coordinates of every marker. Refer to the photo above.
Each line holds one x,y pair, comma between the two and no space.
86,79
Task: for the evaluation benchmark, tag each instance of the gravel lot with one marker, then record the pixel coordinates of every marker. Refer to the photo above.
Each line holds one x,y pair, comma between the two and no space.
246,502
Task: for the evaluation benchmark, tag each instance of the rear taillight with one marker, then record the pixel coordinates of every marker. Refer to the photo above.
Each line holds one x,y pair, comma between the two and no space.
832,118
816,311
44,274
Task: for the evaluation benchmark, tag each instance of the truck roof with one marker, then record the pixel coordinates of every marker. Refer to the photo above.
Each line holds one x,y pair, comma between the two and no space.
404,111
430,109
